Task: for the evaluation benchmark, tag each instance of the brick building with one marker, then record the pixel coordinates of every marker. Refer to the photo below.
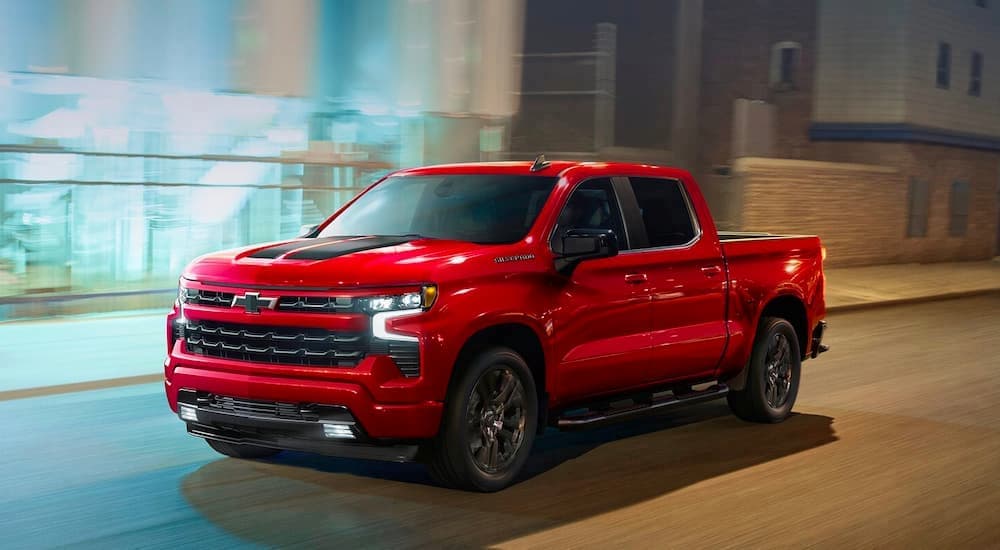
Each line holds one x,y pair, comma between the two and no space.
874,123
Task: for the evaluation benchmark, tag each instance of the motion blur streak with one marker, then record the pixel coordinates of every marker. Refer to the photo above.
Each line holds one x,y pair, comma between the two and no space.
895,443
135,136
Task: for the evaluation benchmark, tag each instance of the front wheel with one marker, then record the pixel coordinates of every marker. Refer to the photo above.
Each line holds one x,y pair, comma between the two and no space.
773,376
489,423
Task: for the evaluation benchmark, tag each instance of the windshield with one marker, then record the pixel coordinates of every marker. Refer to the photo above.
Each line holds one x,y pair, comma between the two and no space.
488,209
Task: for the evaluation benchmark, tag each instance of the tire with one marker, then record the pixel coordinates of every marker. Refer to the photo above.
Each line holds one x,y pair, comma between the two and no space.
460,457
756,402
241,451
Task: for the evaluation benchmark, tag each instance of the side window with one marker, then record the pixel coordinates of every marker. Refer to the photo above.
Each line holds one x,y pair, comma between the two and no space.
919,207
944,65
958,223
592,205
785,64
664,210
976,74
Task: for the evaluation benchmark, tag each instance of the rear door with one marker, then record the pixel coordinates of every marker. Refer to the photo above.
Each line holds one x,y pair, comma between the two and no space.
685,279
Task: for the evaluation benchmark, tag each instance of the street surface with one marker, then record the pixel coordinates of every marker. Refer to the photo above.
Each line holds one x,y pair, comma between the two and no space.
896,444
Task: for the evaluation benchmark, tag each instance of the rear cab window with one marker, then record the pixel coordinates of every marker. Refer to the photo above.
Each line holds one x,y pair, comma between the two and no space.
665,212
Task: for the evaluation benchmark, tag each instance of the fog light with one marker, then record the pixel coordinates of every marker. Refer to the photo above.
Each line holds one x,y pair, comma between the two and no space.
338,431
189,413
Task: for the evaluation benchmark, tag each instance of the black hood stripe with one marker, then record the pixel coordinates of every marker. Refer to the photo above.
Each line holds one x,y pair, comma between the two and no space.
344,247
281,249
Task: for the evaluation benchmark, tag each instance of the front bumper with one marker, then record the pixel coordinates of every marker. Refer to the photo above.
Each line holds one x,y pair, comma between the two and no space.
378,420
305,427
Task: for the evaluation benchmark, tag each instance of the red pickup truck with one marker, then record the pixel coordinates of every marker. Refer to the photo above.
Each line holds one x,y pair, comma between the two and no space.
450,314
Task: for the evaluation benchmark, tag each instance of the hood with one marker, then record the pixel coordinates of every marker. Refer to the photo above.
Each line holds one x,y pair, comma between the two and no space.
339,262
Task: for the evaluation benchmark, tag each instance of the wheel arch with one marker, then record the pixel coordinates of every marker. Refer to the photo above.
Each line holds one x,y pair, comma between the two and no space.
792,309
518,336
787,306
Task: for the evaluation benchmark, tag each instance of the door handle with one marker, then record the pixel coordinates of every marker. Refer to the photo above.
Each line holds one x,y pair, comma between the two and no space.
635,278
711,270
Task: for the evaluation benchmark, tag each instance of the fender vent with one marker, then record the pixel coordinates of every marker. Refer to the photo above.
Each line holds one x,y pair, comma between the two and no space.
406,355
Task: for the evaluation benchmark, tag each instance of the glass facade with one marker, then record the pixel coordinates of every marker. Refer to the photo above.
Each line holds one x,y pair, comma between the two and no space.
136,135
114,196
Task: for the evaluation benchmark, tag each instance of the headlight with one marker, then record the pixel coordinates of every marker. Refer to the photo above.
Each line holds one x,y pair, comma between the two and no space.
400,302
386,308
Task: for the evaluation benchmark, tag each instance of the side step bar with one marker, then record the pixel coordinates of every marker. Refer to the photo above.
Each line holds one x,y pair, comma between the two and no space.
594,417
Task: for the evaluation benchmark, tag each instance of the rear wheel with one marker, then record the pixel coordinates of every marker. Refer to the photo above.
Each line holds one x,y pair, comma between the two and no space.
489,424
241,451
772,382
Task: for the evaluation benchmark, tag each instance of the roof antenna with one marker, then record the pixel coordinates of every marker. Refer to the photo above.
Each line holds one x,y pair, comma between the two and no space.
539,164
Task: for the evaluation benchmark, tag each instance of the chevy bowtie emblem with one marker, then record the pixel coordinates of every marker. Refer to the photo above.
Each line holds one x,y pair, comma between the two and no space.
252,302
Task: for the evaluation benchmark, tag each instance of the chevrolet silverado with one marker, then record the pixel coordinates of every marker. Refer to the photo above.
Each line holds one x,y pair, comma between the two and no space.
451,314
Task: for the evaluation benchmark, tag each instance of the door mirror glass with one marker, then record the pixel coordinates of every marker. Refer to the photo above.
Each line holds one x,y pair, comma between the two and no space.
585,244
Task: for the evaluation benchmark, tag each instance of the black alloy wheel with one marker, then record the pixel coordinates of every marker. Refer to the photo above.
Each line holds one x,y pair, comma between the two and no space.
489,423
772,377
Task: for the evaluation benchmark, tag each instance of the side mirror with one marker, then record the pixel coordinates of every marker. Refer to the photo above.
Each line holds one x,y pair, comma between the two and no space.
307,230
585,244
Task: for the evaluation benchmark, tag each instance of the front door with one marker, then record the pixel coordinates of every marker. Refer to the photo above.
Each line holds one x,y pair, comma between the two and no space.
686,281
601,325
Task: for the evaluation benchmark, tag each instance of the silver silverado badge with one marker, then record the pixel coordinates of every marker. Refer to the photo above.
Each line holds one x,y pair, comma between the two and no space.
252,302
516,258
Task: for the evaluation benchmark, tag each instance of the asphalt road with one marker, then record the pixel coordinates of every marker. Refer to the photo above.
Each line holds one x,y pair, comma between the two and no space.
895,444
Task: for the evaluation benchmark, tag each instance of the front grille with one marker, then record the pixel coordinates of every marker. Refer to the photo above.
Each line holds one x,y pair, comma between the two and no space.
406,355
303,304
252,407
210,298
318,304
267,344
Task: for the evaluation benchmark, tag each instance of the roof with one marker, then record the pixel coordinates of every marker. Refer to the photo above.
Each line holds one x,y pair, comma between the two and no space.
554,168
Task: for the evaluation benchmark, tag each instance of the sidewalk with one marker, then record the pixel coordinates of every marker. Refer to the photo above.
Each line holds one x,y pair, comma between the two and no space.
78,353
862,287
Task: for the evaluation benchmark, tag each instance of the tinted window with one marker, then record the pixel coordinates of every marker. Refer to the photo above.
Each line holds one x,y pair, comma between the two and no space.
487,209
664,211
944,65
919,206
592,205
976,76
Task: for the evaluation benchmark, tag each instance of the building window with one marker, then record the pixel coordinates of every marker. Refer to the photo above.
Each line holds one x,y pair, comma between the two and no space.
919,208
785,58
958,206
944,65
976,74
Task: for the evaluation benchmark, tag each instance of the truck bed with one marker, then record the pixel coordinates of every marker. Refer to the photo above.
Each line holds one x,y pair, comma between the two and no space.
737,246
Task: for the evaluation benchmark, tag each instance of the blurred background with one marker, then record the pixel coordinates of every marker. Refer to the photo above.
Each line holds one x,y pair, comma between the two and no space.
138,134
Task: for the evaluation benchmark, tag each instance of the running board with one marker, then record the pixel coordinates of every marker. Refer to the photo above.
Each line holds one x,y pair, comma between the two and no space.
593,418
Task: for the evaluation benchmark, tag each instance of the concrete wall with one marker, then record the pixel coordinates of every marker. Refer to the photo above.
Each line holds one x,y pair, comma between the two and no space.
966,28
736,64
860,210
861,61
643,83
878,63
940,166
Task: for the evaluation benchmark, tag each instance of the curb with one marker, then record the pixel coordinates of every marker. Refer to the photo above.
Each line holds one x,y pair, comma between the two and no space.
861,306
74,387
